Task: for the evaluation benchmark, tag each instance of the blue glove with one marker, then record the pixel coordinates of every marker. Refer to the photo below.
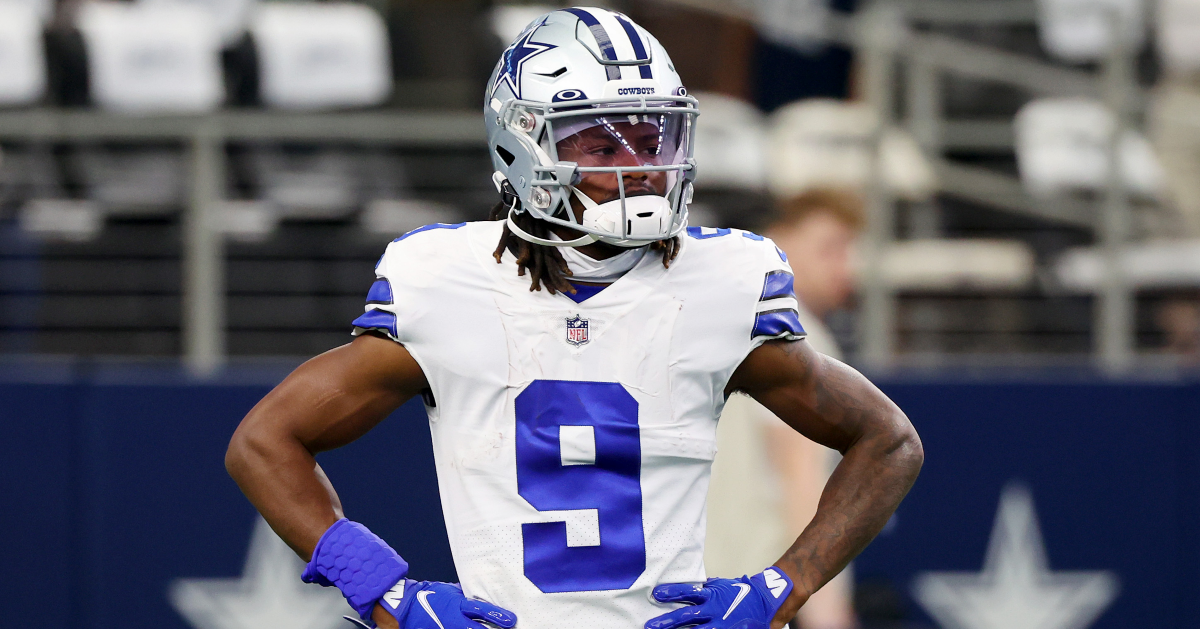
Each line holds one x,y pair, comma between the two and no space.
434,605
746,603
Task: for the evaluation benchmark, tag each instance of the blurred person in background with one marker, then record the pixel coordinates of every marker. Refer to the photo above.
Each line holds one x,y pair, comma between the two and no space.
817,231
1179,319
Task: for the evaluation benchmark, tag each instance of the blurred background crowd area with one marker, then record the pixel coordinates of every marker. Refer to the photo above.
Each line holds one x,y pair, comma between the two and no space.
216,178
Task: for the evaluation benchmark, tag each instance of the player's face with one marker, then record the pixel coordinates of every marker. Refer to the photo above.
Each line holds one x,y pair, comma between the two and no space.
617,144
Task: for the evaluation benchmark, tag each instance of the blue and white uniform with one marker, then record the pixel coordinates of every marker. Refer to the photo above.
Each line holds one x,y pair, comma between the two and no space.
573,441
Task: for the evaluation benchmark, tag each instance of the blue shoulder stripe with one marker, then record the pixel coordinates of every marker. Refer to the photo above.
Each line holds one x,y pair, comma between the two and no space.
429,227
380,293
698,234
777,322
777,284
376,319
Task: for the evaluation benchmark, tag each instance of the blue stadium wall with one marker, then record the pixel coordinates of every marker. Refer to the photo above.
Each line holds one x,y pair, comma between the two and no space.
113,479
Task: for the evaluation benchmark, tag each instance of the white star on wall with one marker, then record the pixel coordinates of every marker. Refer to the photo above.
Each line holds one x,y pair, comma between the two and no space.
1016,589
269,593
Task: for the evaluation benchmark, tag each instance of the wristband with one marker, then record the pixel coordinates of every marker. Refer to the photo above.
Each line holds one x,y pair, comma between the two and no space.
356,561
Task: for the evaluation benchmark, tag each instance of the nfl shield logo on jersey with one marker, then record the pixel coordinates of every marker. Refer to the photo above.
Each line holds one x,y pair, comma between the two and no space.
577,331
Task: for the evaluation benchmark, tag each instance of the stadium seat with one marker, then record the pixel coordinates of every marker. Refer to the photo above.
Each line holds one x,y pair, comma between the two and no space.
397,216
246,221
230,16
305,185
157,58
321,55
1078,30
1166,264
802,24
956,264
730,143
1178,26
823,142
29,172
22,55
59,219
381,174
43,9
1062,146
1174,129
507,20
137,182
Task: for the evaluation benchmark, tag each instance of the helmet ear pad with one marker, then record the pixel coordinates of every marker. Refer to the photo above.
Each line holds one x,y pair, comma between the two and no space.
514,153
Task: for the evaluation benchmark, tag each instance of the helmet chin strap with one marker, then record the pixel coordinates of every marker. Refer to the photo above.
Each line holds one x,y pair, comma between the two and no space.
585,239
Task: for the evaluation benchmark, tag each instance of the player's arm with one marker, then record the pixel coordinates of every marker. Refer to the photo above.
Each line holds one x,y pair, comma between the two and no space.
832,404
326,403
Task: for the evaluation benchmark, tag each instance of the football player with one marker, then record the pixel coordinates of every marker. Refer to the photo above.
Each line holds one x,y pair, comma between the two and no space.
574,355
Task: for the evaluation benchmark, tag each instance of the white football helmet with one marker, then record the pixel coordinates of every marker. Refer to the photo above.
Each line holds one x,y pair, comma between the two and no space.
585,98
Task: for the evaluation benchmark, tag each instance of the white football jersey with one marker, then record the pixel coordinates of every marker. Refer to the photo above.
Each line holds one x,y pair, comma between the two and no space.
573,441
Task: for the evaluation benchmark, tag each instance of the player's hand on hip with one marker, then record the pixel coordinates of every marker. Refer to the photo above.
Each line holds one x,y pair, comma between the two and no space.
750,602
434,605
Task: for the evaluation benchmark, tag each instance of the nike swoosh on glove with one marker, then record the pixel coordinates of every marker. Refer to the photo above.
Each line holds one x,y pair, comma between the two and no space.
435,605
746,603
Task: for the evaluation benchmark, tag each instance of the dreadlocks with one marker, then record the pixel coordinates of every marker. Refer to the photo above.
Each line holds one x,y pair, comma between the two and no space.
545,264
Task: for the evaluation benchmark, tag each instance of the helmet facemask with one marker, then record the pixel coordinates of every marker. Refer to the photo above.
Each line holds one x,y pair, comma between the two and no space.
626,165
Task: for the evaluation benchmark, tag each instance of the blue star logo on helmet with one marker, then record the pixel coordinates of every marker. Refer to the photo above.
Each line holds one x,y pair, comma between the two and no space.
515,57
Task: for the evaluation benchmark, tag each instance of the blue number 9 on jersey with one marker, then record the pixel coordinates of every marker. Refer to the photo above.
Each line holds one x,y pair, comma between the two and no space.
578,447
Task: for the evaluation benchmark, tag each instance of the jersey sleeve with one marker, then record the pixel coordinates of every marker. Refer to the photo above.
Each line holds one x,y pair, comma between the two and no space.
379,314
408,265
776,316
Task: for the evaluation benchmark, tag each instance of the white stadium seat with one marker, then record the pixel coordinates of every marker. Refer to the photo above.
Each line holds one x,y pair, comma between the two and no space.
730,143
1062,145
22,59
956,264
1167,264
508,20
823,142
136,182
319,55
1078,30
1178,26
393,217
43,9
152,58
230,16
801,24
58,219
246,221
1174,128
317,185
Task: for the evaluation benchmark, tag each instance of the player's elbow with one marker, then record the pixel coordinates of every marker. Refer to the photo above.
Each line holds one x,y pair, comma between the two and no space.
246,447
236,455
905,445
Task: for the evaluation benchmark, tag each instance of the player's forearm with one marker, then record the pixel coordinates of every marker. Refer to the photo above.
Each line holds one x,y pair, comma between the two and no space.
282,480
874,475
